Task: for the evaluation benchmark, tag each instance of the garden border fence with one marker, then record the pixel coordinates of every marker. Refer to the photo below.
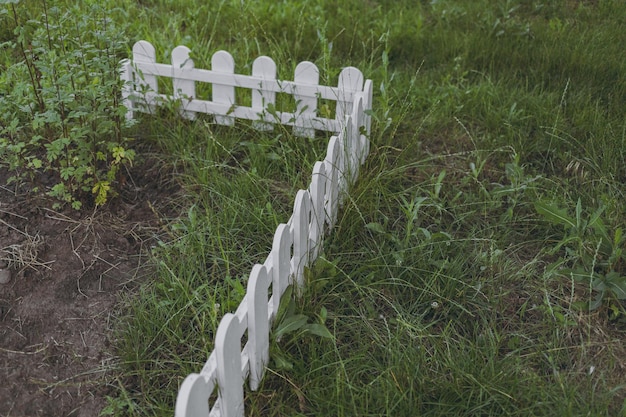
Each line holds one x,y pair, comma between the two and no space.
296,243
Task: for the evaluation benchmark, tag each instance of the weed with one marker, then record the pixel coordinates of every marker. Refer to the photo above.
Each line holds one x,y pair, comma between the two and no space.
595,253
62,118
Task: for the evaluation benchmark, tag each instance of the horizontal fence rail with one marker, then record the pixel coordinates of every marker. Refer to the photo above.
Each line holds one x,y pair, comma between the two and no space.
297,243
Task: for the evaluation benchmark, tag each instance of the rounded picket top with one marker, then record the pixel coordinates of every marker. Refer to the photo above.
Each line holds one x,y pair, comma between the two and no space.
143,51
180,57
222,61
264,67
350,81
193,397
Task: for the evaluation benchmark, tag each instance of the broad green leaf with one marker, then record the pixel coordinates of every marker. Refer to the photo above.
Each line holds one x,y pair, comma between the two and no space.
617,284
318,330
554,214
290,324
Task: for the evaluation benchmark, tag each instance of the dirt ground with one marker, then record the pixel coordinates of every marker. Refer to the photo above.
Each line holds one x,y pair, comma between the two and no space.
67,271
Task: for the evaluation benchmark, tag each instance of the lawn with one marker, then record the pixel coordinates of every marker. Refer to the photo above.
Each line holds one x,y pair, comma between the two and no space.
478,266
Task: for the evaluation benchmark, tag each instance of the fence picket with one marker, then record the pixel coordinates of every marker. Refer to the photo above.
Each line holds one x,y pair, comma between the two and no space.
316,191
356,138
350,81
223,62
184,90
258,324
331,164
144,52
264,100
301,219
281,259
126,75
229,377
306,74
343,166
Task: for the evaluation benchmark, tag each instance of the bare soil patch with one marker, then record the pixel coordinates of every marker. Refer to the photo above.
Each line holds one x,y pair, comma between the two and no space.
67,271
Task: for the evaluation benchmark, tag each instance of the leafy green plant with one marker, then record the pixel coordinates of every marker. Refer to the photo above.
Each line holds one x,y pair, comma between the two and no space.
61,118
596,257
291,327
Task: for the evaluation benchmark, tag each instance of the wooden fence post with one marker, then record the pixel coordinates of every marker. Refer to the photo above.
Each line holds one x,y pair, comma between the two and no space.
144,52
264,101
184,90
306,106
258,324
229,377
223,62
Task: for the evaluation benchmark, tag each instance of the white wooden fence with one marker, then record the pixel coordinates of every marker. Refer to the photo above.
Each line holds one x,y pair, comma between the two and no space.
297,243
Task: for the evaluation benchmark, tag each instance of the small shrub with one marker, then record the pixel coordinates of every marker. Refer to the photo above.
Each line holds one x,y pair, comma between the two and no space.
61,117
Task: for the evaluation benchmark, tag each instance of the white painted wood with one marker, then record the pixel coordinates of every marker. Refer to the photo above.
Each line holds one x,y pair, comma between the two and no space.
349,152
244,81
126,75
356,138
248,113
193,397
331,163
258,324
184,90
263,99
229,377
144,53
306,74
223,63
350,81
316,191
302,219
343,166
281,259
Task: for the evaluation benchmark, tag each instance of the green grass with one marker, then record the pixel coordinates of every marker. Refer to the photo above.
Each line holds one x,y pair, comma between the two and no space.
440,281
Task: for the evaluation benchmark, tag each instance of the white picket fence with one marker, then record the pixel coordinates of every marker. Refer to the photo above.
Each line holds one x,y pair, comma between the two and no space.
297,243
